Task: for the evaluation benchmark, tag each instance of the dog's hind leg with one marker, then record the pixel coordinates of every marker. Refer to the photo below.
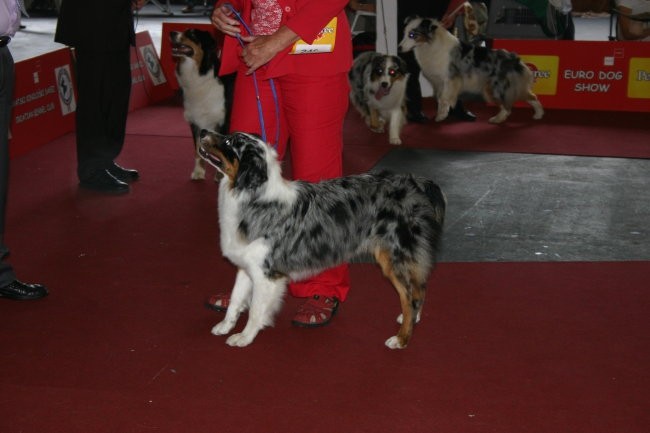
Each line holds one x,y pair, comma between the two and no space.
537,106
501,116
403,336
265,302
239,301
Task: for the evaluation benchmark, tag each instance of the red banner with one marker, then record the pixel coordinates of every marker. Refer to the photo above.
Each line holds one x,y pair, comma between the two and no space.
44,101
149,83
166,59
587,75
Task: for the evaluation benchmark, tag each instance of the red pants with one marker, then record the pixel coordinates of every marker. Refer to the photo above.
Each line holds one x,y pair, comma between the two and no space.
311,110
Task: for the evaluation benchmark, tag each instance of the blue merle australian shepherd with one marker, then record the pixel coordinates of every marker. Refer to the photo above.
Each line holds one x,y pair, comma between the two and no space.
275,230
378,92
454,67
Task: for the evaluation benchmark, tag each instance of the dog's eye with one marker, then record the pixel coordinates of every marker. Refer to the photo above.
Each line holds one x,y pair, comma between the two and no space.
412,35
379,71
392,72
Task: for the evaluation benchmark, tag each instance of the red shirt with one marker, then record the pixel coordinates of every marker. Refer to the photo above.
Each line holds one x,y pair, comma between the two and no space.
306,18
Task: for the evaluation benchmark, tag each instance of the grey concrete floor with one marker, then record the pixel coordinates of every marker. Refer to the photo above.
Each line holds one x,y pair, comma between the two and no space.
523,207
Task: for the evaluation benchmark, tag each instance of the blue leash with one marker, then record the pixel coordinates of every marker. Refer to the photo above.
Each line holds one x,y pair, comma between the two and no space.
257,91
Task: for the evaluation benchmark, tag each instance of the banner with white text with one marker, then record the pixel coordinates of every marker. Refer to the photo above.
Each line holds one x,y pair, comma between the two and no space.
587,75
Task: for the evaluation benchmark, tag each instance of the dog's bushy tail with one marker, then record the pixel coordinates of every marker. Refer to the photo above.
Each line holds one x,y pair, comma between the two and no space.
439,204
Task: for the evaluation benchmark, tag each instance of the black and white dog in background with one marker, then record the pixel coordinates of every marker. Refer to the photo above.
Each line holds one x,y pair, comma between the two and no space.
205,98
377,91
454,67
275,230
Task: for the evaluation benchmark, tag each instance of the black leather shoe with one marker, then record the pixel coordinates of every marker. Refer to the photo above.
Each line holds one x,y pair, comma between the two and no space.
124,174
103,181
417,117
22,291
460,113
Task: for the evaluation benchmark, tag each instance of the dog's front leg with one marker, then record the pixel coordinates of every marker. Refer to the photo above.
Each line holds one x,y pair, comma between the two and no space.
395,126
239,300
375,121
198,173
265,302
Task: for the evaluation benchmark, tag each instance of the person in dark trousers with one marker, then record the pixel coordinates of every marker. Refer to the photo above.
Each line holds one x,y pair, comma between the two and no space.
101,33
429,9
10,286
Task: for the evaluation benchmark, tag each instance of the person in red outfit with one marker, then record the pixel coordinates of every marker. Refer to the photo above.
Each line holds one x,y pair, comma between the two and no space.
304,98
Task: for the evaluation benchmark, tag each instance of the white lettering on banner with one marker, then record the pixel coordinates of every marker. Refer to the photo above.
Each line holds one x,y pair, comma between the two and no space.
578,75
542,74
38,111
40,93
592,87
137,79
642,75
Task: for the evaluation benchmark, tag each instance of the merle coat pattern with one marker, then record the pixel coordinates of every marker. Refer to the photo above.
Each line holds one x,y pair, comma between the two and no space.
378,92
275,230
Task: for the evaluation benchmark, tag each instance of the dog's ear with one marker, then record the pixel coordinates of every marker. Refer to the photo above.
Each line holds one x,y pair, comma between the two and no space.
253,171
209,46
410,18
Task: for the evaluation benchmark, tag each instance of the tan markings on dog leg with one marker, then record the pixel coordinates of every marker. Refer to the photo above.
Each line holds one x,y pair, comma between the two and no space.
537,106
376,122
406,329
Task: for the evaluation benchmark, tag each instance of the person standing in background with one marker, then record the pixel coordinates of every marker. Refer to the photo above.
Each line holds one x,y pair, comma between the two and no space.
10,286
312,99
101,33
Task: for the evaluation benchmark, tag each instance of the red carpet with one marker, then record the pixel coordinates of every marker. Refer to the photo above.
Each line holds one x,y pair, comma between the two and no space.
122,344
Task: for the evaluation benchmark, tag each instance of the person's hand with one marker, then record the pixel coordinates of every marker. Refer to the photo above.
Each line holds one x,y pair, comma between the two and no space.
258,51
224,21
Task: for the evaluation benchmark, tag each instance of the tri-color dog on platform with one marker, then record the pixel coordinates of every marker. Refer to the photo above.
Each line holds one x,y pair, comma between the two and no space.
204,95
454,67
377,91
275,230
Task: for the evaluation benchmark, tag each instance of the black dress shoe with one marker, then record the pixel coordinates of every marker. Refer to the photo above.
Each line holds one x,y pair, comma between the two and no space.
22,291
103,181
419,117
124,174
460,113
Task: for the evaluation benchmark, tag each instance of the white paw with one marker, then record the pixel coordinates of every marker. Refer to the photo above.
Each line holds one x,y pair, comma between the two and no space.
441,116
396,141
400,318
496,120
198,174
239,340
393,343
538,116
222,328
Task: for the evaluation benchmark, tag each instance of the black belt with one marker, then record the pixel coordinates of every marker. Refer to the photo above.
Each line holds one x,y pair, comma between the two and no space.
4,40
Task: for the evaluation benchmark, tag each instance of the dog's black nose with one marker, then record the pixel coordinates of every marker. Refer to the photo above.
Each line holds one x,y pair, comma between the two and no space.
203,133
384,84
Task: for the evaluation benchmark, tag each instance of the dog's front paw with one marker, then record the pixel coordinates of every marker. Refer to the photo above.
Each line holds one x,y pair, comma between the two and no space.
394,343
441,116
239,340
198,174
222,328
395,140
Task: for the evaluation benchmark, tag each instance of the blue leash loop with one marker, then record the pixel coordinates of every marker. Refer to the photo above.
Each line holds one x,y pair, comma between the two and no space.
257,90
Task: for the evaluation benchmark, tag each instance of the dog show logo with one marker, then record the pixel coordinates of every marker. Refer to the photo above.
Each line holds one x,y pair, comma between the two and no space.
150,59
66,90
638,84
545,71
